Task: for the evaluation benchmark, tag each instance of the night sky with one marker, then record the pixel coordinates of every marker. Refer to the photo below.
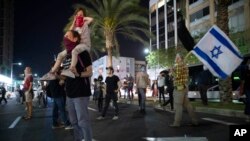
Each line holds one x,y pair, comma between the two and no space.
38,32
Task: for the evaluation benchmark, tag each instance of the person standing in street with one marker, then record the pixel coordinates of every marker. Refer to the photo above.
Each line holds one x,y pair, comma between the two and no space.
181,92
203,84
78,89
113,85
245,89
28,92
142,81
161,84
170,89
3,92
57,92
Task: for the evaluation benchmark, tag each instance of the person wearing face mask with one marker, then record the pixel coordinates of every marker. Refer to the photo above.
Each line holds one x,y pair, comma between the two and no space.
245,89
113,85
80,24
78,89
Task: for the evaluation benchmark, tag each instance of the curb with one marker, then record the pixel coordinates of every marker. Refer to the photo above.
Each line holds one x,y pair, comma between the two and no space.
222,112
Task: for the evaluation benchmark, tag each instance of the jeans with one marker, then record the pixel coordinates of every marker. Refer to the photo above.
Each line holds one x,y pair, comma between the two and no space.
79,118
108,98
142,93
59,106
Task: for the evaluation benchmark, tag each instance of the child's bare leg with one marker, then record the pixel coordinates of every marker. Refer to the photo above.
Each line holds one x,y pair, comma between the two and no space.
77,50
59,60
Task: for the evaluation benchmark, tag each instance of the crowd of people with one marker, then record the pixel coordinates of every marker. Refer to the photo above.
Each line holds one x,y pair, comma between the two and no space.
69,85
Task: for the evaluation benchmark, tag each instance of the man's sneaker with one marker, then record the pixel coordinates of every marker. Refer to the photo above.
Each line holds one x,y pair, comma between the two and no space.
57,126
68,73
48,76
115,118
100,118
69,127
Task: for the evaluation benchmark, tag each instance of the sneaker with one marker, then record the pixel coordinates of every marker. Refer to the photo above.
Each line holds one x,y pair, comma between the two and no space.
48,76
57,126
69,127
100,118
115,118
68,73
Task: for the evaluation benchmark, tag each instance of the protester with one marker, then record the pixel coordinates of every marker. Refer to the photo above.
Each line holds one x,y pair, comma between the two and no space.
56,88
113,85
79,24
130,81
180,92
204,79
245,89
142,82
161,84
78,89
170,89
28,92
3,92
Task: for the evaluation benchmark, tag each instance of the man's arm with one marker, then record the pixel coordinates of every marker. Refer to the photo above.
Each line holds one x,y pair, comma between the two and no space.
88,72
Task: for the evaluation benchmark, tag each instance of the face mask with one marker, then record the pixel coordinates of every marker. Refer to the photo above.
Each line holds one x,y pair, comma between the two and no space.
69,44
108,71
79,21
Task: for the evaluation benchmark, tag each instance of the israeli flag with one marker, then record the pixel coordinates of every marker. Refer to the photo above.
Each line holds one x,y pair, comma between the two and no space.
218,53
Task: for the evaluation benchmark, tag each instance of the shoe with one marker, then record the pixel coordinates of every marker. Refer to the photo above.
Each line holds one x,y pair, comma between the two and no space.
100,118
174,125
115,118
57,126
48,76
69,127
68,73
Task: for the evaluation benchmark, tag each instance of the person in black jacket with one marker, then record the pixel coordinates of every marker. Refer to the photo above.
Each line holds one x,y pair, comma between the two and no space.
203,84
170,89
3,92
55,88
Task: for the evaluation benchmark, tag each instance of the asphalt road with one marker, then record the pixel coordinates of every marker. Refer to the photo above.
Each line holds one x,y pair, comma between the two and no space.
131,125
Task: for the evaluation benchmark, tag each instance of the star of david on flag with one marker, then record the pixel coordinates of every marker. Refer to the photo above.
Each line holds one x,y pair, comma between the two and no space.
218,53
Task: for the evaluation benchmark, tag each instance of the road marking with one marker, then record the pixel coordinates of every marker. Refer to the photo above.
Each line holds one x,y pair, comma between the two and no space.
92,109
14,123
177,139
219,121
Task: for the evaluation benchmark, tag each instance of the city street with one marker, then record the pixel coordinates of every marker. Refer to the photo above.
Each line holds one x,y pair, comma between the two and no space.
131,125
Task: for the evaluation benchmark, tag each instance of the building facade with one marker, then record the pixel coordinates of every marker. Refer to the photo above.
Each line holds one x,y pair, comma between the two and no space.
6,36
199,16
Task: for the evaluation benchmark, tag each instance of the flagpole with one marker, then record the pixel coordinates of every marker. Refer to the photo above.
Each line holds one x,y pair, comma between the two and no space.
175,24
166,24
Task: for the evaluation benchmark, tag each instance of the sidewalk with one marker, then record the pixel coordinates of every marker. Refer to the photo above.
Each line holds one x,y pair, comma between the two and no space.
224,112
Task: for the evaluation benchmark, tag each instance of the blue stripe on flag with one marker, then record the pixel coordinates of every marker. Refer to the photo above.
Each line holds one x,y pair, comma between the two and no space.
224,41
216,68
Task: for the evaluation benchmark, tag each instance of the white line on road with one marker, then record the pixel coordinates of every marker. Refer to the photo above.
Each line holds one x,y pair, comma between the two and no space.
176,139
14,123
219,121
92,109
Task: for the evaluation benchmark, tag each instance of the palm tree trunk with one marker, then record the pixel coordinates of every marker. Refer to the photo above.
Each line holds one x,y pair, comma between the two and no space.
225,85
109,46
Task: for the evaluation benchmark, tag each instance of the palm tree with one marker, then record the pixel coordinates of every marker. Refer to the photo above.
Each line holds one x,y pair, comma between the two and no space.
225,85
118,17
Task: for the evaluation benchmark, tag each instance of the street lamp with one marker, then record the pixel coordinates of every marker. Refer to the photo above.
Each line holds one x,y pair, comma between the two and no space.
11,73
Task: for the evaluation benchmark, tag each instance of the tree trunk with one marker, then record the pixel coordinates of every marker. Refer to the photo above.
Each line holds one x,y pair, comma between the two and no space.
225,85
109,46
109,51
